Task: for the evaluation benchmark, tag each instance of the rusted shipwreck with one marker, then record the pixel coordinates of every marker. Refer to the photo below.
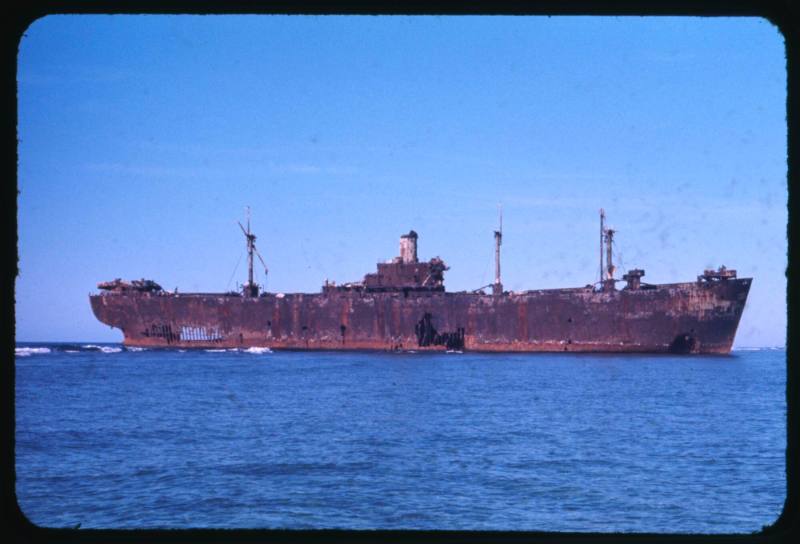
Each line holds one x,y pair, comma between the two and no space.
404,306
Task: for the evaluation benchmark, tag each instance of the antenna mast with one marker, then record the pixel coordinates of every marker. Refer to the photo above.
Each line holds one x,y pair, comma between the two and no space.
497,287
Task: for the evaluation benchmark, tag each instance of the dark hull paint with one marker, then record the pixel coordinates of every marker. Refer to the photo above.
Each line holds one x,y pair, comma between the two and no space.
696,317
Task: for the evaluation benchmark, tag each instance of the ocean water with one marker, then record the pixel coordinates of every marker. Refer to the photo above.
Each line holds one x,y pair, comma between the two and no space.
115,438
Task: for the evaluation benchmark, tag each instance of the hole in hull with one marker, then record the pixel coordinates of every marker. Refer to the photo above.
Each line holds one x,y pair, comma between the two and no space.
427,335
189,333
683,343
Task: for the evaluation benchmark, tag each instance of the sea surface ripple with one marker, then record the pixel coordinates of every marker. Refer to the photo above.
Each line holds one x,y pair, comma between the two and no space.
110,437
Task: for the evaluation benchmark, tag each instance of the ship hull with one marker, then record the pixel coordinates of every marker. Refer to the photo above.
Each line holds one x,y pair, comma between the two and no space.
697,317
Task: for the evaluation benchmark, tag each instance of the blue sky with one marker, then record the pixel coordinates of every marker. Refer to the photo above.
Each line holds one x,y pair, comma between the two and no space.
143,138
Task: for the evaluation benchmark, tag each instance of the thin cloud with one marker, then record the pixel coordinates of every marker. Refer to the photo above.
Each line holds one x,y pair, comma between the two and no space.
312,169
59,75
120,168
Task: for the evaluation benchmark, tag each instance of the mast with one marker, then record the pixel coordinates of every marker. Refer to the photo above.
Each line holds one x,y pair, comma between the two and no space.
251,239
610,268
251,289
497,287
602,227
606,242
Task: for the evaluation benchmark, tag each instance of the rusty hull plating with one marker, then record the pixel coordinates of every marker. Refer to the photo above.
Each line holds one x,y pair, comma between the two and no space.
404,306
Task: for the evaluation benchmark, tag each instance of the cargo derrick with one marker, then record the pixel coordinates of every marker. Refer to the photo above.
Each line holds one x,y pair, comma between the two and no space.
404,306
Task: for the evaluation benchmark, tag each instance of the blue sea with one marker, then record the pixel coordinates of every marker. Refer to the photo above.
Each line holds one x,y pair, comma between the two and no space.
109,437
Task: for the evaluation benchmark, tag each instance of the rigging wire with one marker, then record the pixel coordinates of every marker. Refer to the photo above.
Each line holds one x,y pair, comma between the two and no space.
618,254
258,276
234,272
486,271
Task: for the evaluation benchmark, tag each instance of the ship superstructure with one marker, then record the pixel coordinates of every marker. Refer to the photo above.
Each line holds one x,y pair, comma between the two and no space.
404,306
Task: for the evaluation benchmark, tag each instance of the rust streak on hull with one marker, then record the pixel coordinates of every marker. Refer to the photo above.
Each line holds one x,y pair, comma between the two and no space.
687,317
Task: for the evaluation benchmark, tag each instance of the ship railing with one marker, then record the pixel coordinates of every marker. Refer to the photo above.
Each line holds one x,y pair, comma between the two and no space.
204,294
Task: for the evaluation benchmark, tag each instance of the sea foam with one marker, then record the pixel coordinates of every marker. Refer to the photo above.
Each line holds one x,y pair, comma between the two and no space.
26,352
258,350
104,349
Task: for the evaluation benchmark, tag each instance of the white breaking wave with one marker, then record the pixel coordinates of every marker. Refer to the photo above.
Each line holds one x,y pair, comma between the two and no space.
26,352
215,350
104,349
258,350
135,348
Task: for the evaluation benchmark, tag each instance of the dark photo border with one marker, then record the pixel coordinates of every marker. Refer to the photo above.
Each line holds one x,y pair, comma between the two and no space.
783,13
